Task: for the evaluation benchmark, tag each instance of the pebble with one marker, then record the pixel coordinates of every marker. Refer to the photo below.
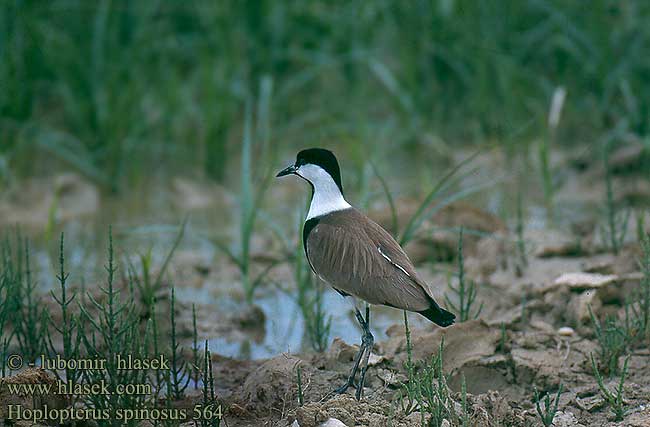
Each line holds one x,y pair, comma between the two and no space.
565,331
333,422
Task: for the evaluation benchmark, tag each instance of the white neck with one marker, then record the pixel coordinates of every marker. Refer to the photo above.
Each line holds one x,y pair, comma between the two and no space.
327,196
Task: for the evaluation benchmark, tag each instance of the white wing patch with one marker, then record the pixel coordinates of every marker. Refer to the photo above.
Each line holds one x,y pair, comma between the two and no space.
392,262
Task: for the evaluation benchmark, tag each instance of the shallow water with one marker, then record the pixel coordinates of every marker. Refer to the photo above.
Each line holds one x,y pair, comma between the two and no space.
147,221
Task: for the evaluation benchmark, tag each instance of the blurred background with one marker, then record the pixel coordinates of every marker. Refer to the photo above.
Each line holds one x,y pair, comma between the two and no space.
140,114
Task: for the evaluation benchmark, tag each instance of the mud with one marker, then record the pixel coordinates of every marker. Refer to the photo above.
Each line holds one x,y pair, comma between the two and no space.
534,331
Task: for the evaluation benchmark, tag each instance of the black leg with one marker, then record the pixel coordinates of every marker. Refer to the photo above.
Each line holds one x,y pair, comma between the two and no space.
367,342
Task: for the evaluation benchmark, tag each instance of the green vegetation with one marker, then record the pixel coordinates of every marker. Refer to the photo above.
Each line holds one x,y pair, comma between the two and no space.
464,406
179,375
426,388
210,401
615,401
21,301
521,259
104,324
613,338
251,197
112,330
641,307
547,414
465,291
67,325
616,229
166,84
301,397
309,297
146,284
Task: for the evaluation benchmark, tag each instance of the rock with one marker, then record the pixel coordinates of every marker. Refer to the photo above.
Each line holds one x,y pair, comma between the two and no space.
637,418
591,403
627,157
68,196
188,194
391,378
431,242
344,408
578,308
565,331
251,317
333,422
565,419
463,343
553,243
29,376
581,281
273,383
542,326
374,359
341,351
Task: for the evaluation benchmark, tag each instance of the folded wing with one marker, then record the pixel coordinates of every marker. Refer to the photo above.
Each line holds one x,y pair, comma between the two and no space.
358,257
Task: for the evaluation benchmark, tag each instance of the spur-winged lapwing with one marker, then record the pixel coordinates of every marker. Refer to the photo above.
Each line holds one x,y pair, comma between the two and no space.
355,255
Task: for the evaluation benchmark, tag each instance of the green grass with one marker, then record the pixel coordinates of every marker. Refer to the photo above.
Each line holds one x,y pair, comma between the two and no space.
113,88
616,220
251,194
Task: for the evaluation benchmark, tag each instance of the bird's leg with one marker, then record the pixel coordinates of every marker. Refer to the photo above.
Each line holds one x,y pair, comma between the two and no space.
367,341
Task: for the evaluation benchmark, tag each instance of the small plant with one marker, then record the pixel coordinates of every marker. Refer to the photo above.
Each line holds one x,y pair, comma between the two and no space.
522,259
408,394
465,291
310,300
641,308
503,338
613,340
426,388
210,402
196,370
147,285
616,229
301,398
29,320
554,115
251,196
177,380
113,332
440,193
433,393
67,326
547,414
615,401
463,396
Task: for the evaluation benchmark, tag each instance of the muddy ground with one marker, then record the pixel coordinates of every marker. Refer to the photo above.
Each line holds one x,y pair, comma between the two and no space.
534,330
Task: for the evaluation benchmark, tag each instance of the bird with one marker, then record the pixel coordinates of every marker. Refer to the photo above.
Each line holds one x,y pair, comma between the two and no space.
356,256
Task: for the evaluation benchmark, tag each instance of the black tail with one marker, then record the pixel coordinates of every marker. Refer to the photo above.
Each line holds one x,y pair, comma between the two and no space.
438,315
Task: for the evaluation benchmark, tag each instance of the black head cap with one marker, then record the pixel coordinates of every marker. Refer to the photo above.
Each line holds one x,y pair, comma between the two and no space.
323,158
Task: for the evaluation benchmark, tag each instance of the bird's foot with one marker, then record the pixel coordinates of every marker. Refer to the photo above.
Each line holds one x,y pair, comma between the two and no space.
359,394
344,387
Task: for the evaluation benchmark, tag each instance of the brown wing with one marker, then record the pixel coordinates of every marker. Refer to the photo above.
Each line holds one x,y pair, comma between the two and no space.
357,256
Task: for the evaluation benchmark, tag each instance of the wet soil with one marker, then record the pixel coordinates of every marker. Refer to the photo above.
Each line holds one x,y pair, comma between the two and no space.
533,333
